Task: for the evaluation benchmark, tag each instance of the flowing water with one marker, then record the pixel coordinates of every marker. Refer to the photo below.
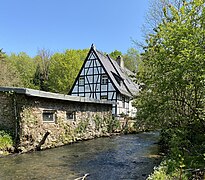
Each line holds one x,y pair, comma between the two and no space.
123,157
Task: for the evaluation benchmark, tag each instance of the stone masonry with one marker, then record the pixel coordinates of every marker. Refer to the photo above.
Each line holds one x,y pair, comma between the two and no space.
40,120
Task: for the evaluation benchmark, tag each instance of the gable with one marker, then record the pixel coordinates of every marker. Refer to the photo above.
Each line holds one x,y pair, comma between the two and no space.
93,80
96,65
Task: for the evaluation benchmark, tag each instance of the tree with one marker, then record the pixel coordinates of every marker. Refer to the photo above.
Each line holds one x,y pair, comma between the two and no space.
64,68
1,54
40,78
155,14
8,74
132,59
25,67
115,54
173,78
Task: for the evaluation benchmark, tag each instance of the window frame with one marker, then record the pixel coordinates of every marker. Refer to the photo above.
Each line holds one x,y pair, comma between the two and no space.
81,81
51,112
104,79
68,114
104,97
123,101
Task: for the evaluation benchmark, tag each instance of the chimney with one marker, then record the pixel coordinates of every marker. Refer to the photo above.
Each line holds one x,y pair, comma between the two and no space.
120,61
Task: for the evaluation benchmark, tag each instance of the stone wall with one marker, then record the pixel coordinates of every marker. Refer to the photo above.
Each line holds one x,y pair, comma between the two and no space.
90,120
7,113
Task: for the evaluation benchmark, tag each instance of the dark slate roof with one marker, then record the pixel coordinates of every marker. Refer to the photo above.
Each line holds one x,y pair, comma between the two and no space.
127,87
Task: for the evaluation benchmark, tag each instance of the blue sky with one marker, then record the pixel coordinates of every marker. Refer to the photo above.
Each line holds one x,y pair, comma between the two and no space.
57,25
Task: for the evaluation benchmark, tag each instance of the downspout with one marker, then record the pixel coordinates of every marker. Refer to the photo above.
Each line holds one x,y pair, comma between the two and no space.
16,138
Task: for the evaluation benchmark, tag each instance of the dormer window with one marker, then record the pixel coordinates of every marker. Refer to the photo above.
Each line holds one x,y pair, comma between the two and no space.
117,78
104,79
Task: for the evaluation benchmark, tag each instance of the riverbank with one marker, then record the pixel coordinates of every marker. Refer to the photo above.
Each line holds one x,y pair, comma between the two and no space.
120,157
67,133
185,158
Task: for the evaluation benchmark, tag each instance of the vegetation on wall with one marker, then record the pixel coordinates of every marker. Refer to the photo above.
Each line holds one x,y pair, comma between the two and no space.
6,141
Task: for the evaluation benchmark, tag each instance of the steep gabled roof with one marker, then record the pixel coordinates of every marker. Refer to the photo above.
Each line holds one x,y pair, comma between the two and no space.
127,86
117,74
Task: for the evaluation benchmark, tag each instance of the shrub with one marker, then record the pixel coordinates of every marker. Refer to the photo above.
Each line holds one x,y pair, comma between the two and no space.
6,141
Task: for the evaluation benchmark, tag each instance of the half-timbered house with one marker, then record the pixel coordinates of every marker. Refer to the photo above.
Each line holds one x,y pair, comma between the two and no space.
103,78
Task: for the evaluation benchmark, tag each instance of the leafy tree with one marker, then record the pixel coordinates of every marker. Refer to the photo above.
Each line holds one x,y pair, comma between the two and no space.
1,54
25,66
40,78
155,16
64,68
173,78
115,54
132,59
8,74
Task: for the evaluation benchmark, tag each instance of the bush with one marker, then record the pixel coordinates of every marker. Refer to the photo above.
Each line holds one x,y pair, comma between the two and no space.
162,172
6,141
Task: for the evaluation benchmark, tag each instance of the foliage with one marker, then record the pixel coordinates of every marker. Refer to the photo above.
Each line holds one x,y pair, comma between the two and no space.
161,172
1,54
112,124
173,82
132,59
5,140
41,76
155,14
173,75
25,67
64,68
9,75
82,126
115,54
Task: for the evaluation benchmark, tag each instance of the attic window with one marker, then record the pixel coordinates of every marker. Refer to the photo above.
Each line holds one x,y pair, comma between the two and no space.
81,81
104,79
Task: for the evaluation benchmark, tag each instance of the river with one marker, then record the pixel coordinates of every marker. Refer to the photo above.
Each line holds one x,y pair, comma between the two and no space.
124,157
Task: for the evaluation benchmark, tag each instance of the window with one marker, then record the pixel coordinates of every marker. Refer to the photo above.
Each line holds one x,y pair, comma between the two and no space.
103,97
48,116
70,116
123,102
104,79
117,78
81,81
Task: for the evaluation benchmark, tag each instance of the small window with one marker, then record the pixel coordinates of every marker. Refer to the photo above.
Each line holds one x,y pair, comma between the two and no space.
104,79
123,102
81,81
70,116
103,97
48,116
